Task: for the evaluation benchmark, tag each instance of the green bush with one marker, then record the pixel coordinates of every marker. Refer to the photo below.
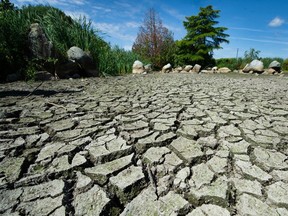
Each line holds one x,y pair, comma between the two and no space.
285,65
231,63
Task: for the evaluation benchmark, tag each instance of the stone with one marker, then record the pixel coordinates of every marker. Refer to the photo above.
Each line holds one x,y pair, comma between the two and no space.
83,183
229,130
218,165
146,203
49,189
196,68
275,65
39,46
187,131
9,199
252,171
187,68
155,155
43,76
237,147
40,206
270,159
11,167
280,175
223,70
255,66
209,141
92,202
138,67
187,149
181,176
113,149
246,186
202,175
167,68
101,172
128,183
249,205
86,62
49,151
214,193
277,194
209,210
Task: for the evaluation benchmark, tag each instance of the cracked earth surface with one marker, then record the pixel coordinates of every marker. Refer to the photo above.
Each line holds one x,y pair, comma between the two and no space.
160,144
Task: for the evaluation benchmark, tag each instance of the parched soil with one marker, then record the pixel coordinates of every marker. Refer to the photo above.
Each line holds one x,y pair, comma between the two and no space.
156,144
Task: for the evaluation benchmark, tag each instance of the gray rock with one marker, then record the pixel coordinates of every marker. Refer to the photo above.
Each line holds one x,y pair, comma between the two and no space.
128,183
40,206
214,193
246,186
155,155
277,194
49,189
167,68
83,183
187,149
100,173
224,70
138,67
275,65
171,204
84,59
93,202
252,171
209,210
249,205
39,45
255,66
270,159
187,68
109,151
196,68
11,167
202,175
9,199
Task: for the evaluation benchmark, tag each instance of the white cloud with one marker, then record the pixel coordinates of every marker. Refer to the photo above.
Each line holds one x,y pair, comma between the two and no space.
277,21
118,31
260,40
77,14
247,29
133,24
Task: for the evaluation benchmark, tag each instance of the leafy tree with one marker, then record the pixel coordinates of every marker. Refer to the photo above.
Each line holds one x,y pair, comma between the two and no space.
251,54
6,5
201,39
154,42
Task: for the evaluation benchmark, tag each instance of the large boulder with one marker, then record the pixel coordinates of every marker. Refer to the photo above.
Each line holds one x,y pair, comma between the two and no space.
138,67
196,68
39,46
88,66
255,66
167,68
275,65
43,76
188,68
223,70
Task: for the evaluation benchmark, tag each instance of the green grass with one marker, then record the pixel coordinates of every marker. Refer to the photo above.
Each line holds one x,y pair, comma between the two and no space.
64,32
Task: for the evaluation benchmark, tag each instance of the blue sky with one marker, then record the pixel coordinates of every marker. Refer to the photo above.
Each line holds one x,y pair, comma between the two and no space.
258,24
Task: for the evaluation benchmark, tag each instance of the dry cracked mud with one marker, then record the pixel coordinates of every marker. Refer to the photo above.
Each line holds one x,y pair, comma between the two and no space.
157,144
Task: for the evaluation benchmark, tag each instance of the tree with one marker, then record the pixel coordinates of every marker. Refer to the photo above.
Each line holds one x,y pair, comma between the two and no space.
201,39
6,5
251,54
154,42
